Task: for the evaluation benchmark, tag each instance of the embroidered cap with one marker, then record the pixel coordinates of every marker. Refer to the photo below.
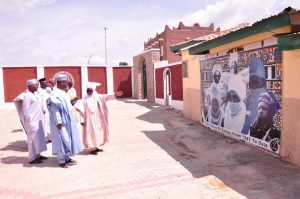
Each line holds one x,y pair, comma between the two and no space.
31,82
62,77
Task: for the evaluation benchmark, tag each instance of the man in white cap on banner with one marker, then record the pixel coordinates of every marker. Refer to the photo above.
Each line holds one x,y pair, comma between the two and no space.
94,117
64,132
29,107
235,111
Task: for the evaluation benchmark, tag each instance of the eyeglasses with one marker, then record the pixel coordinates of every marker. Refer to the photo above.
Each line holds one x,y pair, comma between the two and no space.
89,91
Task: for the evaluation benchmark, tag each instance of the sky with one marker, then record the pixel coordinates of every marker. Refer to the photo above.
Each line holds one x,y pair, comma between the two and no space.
71,32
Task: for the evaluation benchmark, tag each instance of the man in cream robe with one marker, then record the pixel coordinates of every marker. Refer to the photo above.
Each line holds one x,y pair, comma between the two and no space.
29,107
64,132
94,118
42,90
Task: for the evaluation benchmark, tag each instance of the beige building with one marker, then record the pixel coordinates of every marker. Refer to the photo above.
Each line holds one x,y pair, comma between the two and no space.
242,83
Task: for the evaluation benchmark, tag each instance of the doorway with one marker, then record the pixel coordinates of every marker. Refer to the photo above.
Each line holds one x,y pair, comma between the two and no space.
167,87
144,80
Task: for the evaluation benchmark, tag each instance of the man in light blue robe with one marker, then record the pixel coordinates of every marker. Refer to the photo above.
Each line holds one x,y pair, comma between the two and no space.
64,132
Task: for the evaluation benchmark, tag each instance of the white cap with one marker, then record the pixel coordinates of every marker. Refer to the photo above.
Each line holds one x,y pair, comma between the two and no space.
62,77
32,82
217,67
92,85
237,84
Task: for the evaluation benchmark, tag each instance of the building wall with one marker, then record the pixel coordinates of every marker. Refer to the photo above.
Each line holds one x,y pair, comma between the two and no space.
191,87
159,83
175,100
122,80
176,82
158,49
149,57
290,140
177,36
98,74
75,71
14,80
169,37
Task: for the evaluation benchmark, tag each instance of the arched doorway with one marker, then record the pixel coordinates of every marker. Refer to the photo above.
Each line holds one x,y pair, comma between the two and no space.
167,87
144,80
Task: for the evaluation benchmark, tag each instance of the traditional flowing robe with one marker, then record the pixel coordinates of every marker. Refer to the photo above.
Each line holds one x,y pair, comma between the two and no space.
29,107
45,95
71,96
95,119
65,140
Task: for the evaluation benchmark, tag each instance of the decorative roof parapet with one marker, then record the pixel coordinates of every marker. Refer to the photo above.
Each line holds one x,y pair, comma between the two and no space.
181,27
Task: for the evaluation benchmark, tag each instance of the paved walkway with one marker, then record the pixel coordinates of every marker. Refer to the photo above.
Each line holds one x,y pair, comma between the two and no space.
154,153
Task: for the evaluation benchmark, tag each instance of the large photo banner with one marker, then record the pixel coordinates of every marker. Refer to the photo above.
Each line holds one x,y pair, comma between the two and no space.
241,96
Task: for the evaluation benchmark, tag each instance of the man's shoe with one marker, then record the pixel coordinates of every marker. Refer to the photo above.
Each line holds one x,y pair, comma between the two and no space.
99,150
63,165
94,152
71,161
36,161
42,157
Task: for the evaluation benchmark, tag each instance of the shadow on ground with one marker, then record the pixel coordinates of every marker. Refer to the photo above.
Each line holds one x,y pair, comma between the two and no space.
245,169
19,145
50,162
10,155
17,130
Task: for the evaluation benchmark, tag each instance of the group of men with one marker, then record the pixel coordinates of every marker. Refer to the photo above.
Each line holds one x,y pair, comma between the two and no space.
52,113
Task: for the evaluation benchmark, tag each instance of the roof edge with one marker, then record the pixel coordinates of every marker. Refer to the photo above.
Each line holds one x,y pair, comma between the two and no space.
264,25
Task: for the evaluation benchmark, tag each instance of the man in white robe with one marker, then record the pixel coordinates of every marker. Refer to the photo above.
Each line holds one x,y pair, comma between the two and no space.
94,118
43,91
235,111
29,107
64,132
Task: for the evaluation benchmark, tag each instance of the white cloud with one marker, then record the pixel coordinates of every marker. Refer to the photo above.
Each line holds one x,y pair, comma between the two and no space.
64,34
229,13
9,5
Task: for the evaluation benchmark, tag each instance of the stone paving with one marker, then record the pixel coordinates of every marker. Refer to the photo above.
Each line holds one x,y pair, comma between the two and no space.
153,153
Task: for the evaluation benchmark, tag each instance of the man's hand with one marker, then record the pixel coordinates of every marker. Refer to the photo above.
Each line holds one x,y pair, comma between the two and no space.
59,126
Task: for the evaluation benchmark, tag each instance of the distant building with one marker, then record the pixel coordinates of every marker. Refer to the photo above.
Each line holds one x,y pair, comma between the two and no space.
156,50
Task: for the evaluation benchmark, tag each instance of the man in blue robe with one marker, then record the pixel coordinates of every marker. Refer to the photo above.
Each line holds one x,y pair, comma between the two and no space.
64,132
257,86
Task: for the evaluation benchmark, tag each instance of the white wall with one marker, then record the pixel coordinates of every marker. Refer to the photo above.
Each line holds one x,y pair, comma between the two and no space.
84,79
110,80
1,86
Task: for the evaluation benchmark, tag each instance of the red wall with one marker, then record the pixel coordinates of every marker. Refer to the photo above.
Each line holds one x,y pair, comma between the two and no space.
159,81
74,71
14,80
98,74
176,82
122,80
